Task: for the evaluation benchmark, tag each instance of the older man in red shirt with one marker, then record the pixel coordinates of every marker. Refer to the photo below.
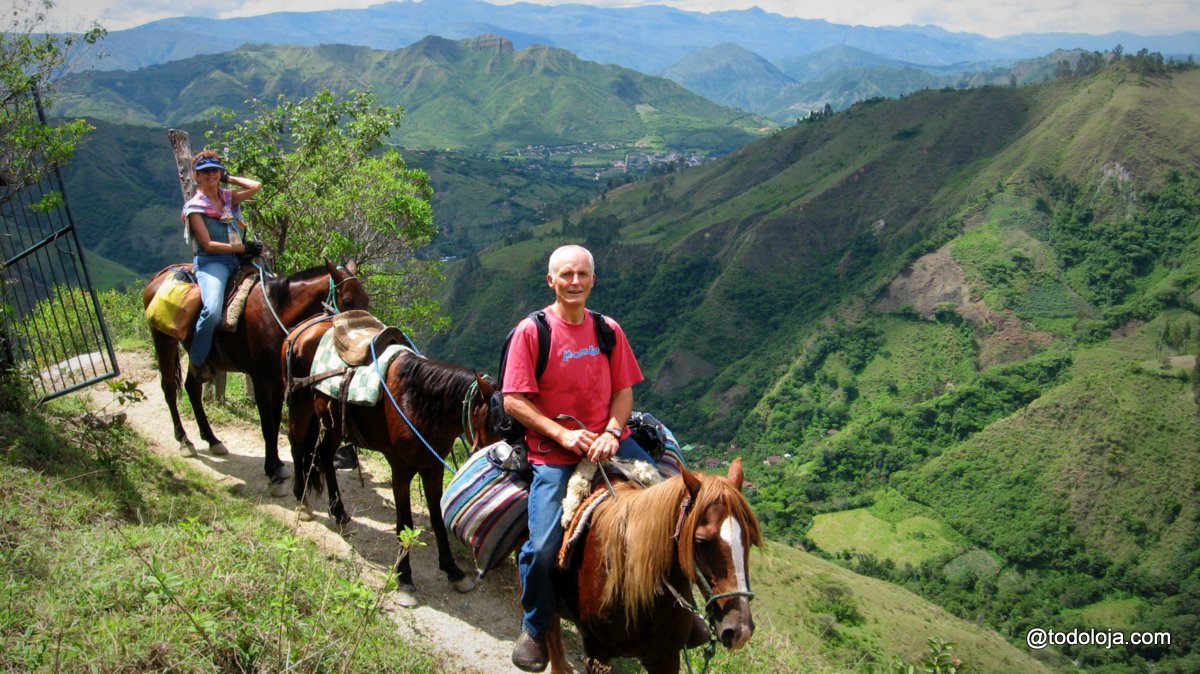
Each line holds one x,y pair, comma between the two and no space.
579,384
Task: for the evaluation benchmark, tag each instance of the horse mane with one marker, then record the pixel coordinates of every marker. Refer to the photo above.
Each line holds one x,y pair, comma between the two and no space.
636,532
279,287
436,390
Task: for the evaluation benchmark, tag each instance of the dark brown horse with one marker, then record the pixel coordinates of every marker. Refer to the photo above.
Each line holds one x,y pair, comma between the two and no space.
441,401
628,584
254,349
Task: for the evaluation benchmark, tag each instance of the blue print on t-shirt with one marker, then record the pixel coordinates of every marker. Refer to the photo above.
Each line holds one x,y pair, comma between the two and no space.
590,351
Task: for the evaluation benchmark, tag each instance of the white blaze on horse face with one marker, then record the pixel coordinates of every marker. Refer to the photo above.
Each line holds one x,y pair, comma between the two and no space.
731,533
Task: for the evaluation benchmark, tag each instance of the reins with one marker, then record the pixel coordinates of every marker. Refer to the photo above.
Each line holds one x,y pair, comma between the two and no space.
395,405
262,284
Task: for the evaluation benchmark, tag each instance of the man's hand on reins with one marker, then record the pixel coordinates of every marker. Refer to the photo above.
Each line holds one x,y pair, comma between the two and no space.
604,447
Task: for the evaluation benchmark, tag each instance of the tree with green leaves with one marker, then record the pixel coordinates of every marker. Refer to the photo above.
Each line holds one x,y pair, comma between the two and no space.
31,62
332,190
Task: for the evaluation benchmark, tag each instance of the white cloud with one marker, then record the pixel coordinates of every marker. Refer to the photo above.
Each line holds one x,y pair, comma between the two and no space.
989,17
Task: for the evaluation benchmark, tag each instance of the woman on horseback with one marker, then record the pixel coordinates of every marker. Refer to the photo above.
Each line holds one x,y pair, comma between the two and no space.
212,219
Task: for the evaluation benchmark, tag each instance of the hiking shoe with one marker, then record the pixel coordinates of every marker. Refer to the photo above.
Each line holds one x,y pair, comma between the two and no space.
530,654
700,634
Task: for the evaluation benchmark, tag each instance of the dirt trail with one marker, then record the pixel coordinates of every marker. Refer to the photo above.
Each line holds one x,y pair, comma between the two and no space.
475,630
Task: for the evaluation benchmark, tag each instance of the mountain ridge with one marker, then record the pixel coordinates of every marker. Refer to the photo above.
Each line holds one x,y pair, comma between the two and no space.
650,37
479,93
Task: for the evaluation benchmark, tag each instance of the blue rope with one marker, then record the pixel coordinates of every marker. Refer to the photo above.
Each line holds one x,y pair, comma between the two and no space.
411,426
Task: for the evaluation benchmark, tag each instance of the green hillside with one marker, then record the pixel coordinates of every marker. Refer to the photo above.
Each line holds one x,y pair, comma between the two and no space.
955,336
475,94
125,197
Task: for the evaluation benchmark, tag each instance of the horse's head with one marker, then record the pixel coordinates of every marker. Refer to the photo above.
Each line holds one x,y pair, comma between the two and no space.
480,428
714,549
346,288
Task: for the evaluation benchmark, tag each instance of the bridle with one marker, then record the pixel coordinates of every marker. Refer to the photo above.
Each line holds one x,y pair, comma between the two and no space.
331,300
710,605
471,436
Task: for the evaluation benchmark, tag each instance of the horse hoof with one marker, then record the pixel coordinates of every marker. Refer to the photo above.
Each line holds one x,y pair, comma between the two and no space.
281,473
304,513
406,596
218,448
463,585
187,448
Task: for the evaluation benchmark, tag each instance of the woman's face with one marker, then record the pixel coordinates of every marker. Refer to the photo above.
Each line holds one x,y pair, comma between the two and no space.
208,177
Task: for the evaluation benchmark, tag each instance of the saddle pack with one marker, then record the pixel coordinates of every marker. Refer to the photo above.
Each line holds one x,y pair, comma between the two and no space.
501,422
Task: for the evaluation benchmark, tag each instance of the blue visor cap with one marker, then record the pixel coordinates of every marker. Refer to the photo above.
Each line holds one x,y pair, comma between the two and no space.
207,163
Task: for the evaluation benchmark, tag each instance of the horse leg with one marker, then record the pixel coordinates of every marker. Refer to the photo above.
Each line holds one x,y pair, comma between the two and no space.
431,480
401,479
166,351
195,391
269,401
556,648
662,664
325,450
303,429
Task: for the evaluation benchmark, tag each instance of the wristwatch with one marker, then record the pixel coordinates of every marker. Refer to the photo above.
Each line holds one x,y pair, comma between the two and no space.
616,432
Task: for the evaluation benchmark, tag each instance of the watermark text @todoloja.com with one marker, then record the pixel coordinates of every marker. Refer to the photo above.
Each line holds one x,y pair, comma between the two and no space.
1039,638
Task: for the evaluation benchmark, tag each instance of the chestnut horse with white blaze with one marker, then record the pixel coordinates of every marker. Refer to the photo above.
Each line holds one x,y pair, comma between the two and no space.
627,584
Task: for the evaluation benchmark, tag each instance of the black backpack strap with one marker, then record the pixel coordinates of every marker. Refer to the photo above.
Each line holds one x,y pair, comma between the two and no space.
606,337
606,340
543,335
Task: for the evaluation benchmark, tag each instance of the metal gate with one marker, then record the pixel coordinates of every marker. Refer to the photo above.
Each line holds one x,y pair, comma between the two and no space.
52,331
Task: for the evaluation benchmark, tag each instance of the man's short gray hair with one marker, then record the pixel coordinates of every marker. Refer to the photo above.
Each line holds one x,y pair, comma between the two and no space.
562,251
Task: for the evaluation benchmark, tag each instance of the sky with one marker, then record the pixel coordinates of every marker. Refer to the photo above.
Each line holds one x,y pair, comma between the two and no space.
988,17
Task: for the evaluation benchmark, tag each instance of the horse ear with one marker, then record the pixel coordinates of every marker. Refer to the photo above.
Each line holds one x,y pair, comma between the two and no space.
736,475
485,387
331,268
352,266
690,481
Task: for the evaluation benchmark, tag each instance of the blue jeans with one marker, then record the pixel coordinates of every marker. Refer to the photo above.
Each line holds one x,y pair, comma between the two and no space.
212,271
536,560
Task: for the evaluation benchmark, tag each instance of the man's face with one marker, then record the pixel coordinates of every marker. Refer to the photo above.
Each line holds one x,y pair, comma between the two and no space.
572,281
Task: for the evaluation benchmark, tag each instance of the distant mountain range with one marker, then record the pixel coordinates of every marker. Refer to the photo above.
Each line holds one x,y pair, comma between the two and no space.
839,76
647,39
477,94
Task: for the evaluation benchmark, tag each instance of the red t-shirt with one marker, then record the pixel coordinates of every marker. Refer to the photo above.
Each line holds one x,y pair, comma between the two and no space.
578,379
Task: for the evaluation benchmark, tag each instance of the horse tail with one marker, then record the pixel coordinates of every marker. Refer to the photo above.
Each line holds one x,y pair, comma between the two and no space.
556,649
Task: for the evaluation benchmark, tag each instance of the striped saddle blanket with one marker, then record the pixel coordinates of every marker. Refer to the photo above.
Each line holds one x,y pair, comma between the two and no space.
485,506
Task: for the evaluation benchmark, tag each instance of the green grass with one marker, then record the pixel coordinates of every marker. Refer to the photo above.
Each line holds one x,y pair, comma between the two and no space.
878,622
1113,614
115,560
909,541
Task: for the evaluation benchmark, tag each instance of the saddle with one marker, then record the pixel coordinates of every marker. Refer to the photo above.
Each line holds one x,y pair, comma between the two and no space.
587,489
237,289
354,331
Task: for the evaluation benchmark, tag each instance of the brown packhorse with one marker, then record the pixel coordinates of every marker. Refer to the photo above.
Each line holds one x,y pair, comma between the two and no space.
441,401
627,584
253,348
